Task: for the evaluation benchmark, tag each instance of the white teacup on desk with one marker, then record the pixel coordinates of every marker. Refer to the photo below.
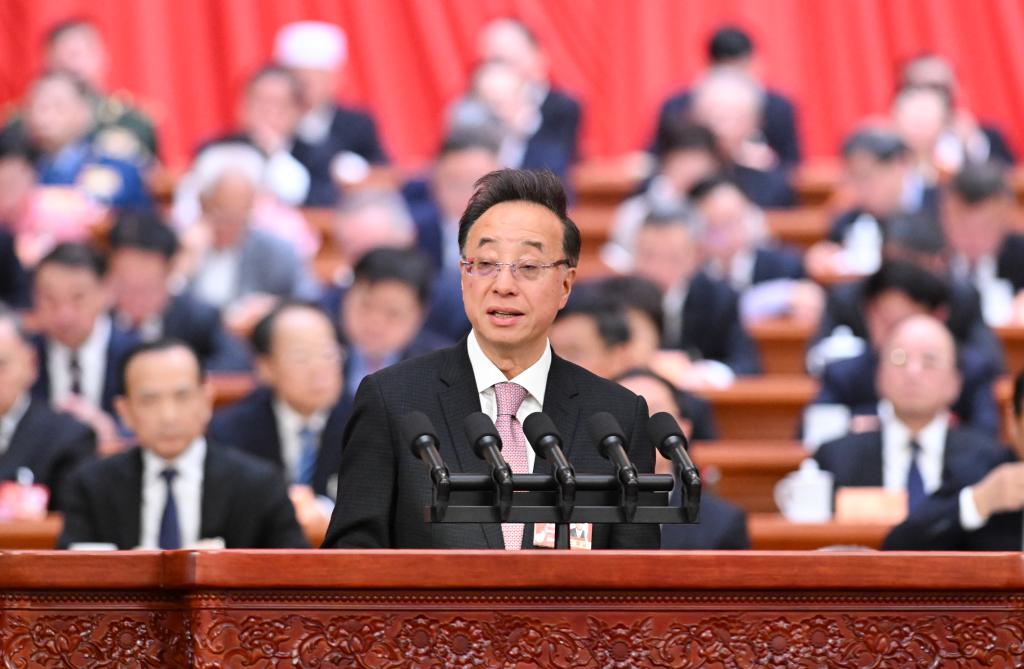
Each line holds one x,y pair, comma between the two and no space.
805,496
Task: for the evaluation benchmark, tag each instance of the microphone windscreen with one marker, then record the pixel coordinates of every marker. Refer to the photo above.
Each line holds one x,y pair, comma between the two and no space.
478,425
601,426
539,425
414,425
661,426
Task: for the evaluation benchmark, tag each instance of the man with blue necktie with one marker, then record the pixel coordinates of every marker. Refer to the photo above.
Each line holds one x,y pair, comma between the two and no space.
175,490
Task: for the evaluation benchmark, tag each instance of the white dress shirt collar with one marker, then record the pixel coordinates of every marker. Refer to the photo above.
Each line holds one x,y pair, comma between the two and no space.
534,379
92,360
896,452
188,493
289,423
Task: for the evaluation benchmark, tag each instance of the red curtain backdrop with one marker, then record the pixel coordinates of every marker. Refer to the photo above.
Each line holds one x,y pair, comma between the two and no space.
184,60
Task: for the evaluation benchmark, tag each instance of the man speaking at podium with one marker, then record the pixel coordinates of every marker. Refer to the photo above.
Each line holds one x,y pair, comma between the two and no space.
519,255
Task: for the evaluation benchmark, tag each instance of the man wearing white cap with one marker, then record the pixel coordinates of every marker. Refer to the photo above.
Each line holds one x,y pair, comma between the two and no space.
316,52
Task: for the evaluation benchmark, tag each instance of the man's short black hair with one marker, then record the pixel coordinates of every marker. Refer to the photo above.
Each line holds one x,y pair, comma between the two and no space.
407,266
161,344
881,144
261,339
680,134
143,231
706,186
609,316
510,185
919,285
62,28
729,43
14,145
648,373
77,256
638,293
978,182
913,234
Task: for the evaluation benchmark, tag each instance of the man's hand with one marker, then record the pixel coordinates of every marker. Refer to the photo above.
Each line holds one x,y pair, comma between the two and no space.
1001,490
108,439
309,513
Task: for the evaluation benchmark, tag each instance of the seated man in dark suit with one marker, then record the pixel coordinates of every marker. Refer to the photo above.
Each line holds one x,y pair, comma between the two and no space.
918,446
985,250
553,143
79,347
142,252
975,509
295,420
721,525
884,184
175,490
769,277
381,314
315,52
701,313
33,436
520,253
731,47
871,310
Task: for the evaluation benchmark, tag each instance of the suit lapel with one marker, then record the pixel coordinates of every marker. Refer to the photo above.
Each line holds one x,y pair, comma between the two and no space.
130,500
264,427
458,398
215,505
22,446
871,470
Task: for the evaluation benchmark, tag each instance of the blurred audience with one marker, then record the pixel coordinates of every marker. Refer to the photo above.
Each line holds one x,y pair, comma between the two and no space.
37,444
79,346
882,181
722,525
769,277
730,48
701,314
140,275
898,291
296,418
175,490
974,509
918,444
336,144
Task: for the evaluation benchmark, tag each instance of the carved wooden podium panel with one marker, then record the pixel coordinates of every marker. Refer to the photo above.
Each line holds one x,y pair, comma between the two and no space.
495,609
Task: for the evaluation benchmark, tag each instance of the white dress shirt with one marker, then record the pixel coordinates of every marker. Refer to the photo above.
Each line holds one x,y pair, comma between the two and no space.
672,304
534,378
9,421
896,451
289,424
188,494
92,361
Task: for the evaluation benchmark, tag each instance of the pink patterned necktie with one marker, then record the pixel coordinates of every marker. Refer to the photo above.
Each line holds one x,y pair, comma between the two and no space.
509,397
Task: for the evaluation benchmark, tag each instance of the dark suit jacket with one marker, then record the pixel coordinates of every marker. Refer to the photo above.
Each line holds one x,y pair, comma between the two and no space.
198,324
852,382
856,459
722,526
929,208
244,502
935,523
778,123
553,146
49,443
250,426
351,130
777,262
769,189
1010,260
383,488
712,327
13,282
120,343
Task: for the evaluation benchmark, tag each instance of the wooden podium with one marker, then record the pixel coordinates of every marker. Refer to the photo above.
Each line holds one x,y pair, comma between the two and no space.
529,609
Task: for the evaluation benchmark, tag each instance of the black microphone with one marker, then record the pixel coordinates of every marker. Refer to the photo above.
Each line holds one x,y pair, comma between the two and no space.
546,441
416,430
671,443
605,430
486,443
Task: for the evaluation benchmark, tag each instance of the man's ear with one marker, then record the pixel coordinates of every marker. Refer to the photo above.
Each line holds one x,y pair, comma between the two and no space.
124,411
265,371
